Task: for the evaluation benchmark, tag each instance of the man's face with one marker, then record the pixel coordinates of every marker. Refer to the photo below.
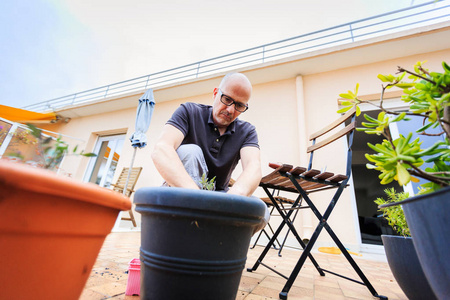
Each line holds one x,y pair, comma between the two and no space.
223,115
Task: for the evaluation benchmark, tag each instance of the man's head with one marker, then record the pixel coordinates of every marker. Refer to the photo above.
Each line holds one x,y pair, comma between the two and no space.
231,98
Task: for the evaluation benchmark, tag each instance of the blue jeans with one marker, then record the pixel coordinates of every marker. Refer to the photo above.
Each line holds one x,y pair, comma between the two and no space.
192,158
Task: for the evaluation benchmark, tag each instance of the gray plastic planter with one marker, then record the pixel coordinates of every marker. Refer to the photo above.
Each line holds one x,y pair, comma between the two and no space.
429,223
406,268
194,243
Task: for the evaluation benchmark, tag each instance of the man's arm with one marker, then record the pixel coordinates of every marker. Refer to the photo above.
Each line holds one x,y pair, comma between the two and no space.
166,159
249,180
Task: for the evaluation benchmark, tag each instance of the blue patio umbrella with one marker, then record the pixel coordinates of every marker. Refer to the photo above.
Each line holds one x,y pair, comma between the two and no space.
143,117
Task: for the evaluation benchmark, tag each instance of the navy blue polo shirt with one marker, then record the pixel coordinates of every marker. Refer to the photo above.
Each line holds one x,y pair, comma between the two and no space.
221,152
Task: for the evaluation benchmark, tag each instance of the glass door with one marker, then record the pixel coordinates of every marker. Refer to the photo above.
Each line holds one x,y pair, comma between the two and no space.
428,139
101,169
367,187
367,184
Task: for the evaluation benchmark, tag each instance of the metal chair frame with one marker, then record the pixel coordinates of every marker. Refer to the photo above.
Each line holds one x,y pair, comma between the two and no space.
305,181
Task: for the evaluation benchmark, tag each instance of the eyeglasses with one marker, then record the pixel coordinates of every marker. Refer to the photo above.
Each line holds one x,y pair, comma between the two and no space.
228,101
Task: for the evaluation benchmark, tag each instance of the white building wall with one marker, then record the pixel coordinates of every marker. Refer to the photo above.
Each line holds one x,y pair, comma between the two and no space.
285,112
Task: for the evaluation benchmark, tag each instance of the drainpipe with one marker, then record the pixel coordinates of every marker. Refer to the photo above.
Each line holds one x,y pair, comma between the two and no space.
306,216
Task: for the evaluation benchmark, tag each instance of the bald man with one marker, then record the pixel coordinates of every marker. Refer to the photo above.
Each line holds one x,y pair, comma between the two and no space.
202,139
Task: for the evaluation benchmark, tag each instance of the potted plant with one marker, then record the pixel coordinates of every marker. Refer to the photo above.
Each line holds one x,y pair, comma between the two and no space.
194,243
400,253
51,227
428,97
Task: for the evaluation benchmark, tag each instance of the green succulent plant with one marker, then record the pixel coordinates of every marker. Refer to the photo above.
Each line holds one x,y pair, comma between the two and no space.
428,96
208,185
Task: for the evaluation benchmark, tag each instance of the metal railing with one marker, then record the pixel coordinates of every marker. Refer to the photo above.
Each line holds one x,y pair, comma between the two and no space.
387,23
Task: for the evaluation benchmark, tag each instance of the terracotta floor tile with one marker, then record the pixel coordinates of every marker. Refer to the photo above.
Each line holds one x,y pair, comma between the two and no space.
247,284
110,289
257,297
304,276
266,292
262,271
96,281
253,275
303,284
88,294
323,295
241,295
300,297
321,290
328,281
298,292
111,274
272,283
350,289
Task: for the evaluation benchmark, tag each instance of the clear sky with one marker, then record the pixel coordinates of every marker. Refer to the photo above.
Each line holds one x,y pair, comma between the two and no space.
53,48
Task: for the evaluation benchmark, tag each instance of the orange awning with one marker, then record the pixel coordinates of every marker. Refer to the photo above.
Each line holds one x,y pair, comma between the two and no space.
25,116
115,157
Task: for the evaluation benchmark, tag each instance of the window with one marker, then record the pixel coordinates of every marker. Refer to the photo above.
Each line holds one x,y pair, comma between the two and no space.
368,188
101,169
17,143
366,182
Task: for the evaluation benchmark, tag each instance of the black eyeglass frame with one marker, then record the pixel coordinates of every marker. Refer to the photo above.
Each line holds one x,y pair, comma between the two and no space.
221,94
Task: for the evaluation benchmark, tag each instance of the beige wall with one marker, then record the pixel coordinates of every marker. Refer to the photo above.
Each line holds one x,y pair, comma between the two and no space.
274,110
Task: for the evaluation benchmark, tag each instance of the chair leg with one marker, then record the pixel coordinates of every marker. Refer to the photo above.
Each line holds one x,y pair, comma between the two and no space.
267,235
351,261
131,218
286,220
276,240
292,229
300,262
323,224
266,249
257,239
287,233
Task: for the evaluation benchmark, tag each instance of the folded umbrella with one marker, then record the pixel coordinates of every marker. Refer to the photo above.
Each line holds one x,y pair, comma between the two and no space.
143,117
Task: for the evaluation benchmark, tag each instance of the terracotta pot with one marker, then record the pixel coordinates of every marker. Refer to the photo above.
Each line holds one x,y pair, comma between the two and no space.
51,231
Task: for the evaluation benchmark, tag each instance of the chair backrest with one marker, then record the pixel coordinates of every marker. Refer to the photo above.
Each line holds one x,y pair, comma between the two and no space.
122,179
325,140
312,180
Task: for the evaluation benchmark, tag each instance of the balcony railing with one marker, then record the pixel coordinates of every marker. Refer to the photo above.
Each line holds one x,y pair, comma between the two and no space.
387,23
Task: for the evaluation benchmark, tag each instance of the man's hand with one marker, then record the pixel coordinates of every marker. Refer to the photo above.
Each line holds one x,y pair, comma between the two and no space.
166,159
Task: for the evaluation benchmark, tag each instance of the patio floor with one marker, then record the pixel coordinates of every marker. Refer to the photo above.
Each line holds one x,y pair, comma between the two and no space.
108,278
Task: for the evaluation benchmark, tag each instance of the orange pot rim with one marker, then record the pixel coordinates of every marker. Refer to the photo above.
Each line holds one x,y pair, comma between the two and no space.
16,175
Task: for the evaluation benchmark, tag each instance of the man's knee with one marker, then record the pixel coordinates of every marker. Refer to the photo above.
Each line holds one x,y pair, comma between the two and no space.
193,160
190,152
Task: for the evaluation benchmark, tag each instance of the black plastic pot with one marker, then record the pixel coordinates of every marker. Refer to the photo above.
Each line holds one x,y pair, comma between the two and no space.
406,268
429,223
194,243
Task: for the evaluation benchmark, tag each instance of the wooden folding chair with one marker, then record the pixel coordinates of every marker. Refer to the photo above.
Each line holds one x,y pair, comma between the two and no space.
120,184
305,181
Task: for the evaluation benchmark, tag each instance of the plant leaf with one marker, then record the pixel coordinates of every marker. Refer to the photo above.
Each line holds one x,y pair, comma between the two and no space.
403,175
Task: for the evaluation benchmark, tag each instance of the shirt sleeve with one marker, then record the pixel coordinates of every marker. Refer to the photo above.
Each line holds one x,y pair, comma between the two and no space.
251,139
180,119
